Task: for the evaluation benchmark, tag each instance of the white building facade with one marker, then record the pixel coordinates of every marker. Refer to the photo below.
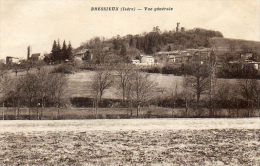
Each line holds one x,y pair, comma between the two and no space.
147,60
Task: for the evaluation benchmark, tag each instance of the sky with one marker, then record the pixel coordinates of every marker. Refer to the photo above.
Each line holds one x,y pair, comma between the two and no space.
38,22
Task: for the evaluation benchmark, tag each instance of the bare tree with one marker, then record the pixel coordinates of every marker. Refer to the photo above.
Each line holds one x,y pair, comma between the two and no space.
5,89
37,88
3,71
102,80
199,82
57,85
27,65
174,96
224,95
248,90
186,94
44,85
125,74
142,89
28,85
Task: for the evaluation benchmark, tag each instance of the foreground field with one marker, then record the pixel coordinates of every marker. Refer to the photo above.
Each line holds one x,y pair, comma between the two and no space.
131,142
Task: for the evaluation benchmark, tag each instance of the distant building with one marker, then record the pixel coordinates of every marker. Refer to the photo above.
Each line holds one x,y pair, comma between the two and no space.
35,57
147,60
177,27
179,58
12,60
83,54
201,55
256,65
183,56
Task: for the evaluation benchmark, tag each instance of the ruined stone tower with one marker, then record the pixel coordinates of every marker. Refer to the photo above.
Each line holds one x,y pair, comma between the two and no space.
177,27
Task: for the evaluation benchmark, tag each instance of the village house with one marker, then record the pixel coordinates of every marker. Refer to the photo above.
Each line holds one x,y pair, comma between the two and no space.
256,65
246,59
83,54
12,60
147,60
36,56
179,57
184,56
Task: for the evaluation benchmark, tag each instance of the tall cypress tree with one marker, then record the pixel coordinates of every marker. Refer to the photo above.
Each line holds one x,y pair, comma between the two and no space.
69,52
54,51
64,51
59,53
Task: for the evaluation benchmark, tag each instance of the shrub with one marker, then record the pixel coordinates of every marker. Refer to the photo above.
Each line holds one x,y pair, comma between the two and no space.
154,69
88,102
64,68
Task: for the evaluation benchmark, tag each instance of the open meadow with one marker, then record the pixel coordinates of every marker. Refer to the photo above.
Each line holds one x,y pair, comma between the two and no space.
79,83
131,142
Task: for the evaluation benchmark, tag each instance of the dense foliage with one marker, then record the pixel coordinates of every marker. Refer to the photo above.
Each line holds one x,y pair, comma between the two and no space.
152,42
59,54
155,41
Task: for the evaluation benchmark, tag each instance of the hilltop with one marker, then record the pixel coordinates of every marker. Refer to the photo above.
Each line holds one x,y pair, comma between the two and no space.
129,46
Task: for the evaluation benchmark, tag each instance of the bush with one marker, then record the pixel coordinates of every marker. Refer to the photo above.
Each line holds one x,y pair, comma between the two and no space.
81,102
176,70
155,69
64,68
168,102
237,70
88,102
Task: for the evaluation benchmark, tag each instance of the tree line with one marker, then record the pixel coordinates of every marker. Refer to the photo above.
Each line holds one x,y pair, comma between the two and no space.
199,91
133,86
59,54
156,40
34,90
42,88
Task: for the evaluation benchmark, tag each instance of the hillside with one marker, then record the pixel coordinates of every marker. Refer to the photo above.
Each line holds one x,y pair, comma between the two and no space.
226,45
125,48
128,47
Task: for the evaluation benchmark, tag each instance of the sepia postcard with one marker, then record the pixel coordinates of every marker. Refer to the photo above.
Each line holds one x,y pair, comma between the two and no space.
130,82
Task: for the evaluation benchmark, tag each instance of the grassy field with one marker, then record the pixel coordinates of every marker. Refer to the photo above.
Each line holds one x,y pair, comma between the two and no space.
131,142
79,84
